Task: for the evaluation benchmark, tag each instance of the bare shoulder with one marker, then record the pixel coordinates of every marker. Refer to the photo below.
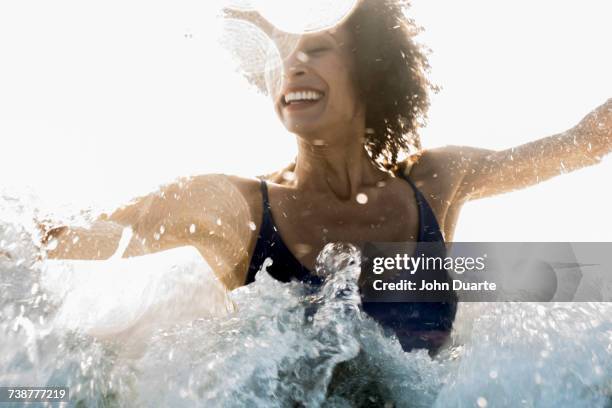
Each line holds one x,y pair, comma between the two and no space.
247,186
207,184
241,195
438,170
449,159
202,200
441,170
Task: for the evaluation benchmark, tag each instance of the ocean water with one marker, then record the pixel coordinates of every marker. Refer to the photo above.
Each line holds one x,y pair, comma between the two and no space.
284,344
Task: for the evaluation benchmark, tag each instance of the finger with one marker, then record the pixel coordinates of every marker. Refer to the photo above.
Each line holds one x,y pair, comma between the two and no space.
5,254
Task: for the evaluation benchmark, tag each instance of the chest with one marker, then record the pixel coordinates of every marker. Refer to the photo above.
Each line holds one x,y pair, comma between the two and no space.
307,222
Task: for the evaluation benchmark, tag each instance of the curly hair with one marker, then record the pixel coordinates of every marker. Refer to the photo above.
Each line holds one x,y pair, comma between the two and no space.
390,76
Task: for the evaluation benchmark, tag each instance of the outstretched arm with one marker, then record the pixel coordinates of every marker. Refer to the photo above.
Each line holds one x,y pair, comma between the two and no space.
207,212
484,173
100,239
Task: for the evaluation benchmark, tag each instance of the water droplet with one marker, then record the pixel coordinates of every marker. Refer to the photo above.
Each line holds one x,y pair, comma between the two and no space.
302,57
192,228
156,236
481,402
303,249
252,226
52,245
493,374
361,198
537,378
288,175
336,257
219,221
435,175
251,49
298,16
240,5
162,229
75,240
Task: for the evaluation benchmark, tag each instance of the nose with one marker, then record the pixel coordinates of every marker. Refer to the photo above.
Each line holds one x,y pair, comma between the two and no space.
296,64
295,71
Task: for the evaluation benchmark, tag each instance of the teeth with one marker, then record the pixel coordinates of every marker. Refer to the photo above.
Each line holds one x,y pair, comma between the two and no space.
302,96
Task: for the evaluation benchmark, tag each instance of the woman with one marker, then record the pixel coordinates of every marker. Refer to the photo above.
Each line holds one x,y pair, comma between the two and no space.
354,96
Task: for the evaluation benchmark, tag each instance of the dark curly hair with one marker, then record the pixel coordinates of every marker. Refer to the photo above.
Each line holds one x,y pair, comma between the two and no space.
391,78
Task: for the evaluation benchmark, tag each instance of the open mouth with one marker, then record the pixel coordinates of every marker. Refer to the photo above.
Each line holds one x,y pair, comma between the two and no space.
302,98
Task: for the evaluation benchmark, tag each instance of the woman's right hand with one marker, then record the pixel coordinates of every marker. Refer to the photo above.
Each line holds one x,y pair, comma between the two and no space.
96,241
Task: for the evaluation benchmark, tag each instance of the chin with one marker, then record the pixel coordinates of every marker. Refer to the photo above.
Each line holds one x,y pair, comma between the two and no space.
303,128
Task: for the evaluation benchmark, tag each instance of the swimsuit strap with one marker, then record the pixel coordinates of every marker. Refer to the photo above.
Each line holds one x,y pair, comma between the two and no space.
266,201
429,229
265,236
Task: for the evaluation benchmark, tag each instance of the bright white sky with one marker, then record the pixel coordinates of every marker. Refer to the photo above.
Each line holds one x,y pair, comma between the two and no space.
101,101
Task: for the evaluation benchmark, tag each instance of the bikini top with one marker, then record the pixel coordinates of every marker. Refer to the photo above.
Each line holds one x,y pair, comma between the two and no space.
284,264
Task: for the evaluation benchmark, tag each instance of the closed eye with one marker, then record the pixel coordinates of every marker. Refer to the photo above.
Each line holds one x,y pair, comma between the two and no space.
317,50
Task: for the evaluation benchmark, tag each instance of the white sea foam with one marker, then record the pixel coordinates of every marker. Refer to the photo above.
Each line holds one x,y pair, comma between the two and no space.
283,344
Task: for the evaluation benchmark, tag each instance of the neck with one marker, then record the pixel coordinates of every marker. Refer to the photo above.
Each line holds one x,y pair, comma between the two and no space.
337,164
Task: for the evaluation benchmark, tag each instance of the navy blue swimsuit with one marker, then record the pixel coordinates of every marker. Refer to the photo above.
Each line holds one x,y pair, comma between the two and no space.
411,321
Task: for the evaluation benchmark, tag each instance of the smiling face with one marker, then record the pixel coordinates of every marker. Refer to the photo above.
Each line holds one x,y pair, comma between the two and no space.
317,92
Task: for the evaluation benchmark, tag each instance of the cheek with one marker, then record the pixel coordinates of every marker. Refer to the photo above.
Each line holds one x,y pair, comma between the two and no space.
343,92
342,77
